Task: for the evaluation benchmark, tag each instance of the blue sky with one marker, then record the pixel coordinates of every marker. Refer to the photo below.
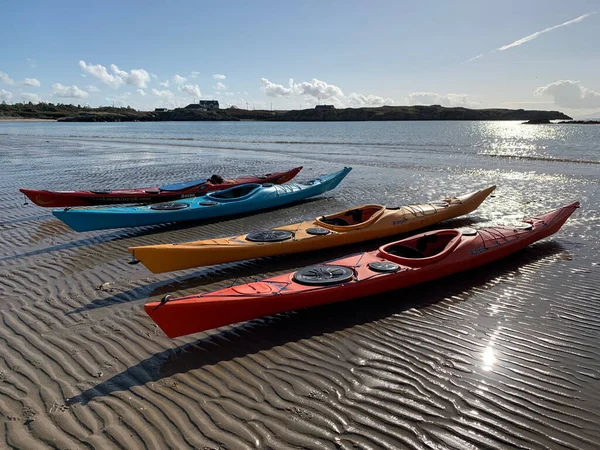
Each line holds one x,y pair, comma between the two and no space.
538,55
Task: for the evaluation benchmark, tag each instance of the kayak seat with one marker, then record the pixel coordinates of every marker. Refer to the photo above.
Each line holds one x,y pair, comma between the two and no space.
216,179
405,252
356,215
335,221
426,246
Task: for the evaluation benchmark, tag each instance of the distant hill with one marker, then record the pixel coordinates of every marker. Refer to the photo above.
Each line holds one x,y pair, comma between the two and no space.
71,113
434,112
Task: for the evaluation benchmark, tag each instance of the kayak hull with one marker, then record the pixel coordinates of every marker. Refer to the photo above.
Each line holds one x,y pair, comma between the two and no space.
154,194
451,251
223,203
384,222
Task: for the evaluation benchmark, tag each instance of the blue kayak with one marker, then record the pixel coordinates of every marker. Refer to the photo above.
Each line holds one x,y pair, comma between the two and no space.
236,200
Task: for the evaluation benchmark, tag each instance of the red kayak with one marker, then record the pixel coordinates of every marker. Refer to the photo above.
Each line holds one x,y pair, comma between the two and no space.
155,194
413,260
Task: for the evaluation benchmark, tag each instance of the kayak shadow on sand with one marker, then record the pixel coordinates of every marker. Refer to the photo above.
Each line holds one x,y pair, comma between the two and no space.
240,272
263,334
133,232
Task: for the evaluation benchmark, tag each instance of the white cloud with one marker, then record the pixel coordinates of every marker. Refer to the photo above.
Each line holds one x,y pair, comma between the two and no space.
6,79
136,77
275,90
570,94
165,84
539,33
179,80
31,62
58,90
102,74
195,74
31,82
318,90
229,94
192,89
92,88
432,98
218,76
30,97
219,86
5,96
141,92
359,100
121,100
167,97
164,94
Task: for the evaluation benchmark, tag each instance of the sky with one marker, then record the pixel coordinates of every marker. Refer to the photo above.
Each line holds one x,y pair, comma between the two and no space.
284,55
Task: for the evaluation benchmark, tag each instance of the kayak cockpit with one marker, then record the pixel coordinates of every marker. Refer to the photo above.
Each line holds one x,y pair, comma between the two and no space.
422,249
356,217
235,193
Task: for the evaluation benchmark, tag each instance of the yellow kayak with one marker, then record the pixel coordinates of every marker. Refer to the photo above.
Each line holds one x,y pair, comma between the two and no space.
361,223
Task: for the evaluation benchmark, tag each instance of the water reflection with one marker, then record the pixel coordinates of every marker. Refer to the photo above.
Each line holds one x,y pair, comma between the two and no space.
488,356
518,140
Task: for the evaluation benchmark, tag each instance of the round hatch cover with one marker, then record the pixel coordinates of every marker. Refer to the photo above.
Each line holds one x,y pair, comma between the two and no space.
318,231
173,206
323,275
269,236
384,267
468,231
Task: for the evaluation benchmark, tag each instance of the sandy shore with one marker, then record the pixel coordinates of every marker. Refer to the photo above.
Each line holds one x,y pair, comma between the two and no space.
507,356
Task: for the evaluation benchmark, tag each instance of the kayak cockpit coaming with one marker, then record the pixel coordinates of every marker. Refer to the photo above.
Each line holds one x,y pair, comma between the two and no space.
422,249
235,193
351,217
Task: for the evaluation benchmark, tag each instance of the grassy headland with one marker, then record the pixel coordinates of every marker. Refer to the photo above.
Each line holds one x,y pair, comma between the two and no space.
72,113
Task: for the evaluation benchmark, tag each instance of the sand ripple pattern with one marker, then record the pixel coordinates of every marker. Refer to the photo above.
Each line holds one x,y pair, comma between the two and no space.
506,356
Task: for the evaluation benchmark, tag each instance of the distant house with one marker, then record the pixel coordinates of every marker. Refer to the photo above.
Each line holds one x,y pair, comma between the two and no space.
160,109
209,104
204,105
325,107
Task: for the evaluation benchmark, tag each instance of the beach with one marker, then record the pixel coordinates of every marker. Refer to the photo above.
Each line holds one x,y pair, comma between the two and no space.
504,356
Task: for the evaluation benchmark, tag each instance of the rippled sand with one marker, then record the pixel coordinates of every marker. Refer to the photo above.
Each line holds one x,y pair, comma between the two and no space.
506,356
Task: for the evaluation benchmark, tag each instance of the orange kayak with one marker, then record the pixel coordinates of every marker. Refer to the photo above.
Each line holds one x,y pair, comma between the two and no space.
410,261
357,224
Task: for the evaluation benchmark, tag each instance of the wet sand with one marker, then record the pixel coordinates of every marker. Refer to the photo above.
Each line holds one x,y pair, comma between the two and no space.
506,356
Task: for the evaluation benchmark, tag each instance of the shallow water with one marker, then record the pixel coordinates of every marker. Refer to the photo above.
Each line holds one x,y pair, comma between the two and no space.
504,356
